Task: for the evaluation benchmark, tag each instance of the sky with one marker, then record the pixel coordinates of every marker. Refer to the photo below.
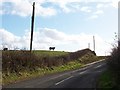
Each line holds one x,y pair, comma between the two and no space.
68,25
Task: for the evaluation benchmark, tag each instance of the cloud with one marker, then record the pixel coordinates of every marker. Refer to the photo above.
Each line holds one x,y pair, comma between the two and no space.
46,37
86,9
96,14
100,5
103,5
51,7
65,5
1,12
93,17
115,4
99,12
54,34
24,8
8,41
41,11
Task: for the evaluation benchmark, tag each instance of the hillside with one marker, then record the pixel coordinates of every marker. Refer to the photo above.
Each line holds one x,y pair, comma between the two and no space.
50,53
76,54
17,61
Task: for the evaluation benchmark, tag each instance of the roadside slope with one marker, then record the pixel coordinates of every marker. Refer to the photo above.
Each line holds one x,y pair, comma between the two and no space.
24,65
85,77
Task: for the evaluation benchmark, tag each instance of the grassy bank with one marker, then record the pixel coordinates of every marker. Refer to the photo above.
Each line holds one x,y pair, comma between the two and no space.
20,65
13,77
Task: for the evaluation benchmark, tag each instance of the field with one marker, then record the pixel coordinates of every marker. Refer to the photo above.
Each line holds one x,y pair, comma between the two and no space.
50,53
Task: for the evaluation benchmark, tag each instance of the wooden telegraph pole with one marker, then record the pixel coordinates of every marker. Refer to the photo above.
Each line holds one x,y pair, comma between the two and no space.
94,43
89,45
32,26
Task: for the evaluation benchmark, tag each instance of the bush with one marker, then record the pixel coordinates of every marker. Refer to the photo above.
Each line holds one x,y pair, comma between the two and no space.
17,61
114,63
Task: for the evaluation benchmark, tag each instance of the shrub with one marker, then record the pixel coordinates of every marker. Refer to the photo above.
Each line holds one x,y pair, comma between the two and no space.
114,63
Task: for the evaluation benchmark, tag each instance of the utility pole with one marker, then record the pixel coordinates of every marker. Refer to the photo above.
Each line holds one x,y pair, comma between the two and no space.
89,45
32,26
94,43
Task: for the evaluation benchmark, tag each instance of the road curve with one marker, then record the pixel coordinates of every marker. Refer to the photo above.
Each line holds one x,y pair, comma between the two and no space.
81,78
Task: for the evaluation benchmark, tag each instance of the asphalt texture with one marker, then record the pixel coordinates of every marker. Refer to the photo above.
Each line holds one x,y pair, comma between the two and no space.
86,77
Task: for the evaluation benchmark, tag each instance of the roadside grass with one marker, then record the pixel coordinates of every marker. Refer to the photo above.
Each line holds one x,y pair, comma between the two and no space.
88,58
22,65
106,80
13,77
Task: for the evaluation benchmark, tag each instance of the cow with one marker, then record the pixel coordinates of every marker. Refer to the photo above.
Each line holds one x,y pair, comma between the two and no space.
51,48
5,49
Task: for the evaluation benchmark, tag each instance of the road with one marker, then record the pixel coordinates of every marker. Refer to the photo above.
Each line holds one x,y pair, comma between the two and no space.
81,78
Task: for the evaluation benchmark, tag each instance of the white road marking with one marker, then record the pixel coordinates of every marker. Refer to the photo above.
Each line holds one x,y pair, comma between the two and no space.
79,69
83,72
63,80
59,76
98,66
99,71
94,62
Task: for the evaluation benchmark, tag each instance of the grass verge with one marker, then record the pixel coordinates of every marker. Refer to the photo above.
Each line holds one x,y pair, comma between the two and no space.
106,80
13,77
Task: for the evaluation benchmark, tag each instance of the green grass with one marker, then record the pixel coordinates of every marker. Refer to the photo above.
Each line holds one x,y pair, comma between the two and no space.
106,80
50,53
13,77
